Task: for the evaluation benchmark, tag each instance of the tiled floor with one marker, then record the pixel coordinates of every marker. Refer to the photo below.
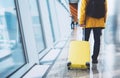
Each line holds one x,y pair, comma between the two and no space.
108,66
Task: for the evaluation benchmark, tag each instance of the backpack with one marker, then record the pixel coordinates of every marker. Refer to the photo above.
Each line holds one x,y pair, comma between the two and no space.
95,8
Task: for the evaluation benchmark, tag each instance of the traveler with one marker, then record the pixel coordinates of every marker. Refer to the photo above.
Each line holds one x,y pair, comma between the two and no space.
96,24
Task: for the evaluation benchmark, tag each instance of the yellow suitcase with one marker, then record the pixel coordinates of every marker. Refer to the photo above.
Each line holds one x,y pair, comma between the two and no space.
79,55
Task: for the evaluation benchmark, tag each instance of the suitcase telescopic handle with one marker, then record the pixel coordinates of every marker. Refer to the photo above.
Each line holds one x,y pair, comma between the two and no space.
83,34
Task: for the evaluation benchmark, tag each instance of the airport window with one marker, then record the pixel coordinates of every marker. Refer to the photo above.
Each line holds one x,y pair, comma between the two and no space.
52,27
53,20
36,25
11,49
46,22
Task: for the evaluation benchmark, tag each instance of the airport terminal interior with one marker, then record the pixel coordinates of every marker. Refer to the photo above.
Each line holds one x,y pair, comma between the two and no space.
35,38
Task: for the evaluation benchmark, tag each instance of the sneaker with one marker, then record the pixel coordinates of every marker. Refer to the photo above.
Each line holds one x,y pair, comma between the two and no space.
94,66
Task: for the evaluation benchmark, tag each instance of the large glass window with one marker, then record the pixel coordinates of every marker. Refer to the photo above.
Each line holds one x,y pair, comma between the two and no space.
36,25
11,49
53,20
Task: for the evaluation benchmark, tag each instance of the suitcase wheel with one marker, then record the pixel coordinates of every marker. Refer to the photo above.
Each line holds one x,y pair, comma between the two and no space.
68,64
68,68
88,64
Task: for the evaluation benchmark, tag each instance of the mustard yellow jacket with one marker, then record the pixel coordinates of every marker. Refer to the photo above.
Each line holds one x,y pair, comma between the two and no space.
89,21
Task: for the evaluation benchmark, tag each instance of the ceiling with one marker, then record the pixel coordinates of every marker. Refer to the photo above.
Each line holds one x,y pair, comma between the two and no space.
73,1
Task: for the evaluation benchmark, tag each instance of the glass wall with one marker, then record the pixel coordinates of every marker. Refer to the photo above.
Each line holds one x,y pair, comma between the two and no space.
36,25
46,23
53,20
11,48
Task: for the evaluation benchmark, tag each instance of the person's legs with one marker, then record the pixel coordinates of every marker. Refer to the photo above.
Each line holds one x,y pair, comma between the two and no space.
97,33
72,25
87,33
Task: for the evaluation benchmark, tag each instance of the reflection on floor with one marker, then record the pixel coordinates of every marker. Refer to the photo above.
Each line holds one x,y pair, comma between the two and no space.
108,66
